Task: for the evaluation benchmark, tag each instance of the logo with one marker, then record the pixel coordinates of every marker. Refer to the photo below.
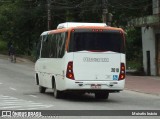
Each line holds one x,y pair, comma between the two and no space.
6,114
88,59
115,77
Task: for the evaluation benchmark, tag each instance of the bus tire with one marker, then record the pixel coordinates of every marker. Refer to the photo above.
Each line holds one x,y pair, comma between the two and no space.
101,95
42,89
57,93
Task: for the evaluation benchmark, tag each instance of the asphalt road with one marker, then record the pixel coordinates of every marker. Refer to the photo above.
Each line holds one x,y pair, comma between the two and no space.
19,92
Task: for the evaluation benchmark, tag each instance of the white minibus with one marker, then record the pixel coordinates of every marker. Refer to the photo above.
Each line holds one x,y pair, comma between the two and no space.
81,58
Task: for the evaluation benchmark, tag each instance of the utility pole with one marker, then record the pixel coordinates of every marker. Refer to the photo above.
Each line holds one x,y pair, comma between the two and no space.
106,16
48,14
104,11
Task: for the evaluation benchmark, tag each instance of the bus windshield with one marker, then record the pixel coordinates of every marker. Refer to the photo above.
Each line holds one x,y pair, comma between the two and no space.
96,41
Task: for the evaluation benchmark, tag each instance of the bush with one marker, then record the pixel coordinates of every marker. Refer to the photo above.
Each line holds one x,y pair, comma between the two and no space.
136,65
3,46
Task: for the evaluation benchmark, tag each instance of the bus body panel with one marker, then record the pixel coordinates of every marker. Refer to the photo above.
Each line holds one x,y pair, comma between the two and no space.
87,85
49,68
96,66
123,58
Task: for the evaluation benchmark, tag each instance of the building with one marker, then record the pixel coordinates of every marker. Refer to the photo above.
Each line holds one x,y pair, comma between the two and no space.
150,26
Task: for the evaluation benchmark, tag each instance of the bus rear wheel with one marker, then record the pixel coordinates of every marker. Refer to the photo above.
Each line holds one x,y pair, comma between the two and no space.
101,95
57,93
42,89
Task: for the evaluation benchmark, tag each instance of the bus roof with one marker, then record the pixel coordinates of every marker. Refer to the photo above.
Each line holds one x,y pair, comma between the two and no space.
85,27
75,24
63,27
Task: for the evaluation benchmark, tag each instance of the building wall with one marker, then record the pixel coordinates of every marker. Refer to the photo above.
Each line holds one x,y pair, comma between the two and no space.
148,44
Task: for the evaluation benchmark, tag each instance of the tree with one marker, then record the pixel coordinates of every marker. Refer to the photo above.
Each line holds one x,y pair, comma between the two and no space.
24,20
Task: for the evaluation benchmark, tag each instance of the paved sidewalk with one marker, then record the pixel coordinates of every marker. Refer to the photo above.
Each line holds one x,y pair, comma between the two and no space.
143,84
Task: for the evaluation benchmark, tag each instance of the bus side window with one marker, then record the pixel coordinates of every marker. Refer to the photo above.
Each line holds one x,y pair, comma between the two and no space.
58,40
62,45
52,46
71,43
45,48
50,52
38,48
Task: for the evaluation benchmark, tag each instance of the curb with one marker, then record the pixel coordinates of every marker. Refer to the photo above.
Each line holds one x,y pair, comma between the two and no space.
134,90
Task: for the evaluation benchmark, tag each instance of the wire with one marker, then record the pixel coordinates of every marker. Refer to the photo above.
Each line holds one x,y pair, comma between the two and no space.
125,5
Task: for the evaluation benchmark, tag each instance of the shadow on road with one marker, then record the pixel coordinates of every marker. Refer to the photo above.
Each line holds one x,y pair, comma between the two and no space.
80,97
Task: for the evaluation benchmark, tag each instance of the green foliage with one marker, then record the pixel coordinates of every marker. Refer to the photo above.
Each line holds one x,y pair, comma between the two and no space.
133,44
125,10
22,23
24,20
136,65
134,48
3,46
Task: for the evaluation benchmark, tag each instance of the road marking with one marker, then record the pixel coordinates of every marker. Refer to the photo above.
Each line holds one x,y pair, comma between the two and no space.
33,96
9,98
13,89
35,103
8,102
10,107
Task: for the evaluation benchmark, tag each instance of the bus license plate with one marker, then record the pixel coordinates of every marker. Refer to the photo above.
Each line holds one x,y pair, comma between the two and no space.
94,86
